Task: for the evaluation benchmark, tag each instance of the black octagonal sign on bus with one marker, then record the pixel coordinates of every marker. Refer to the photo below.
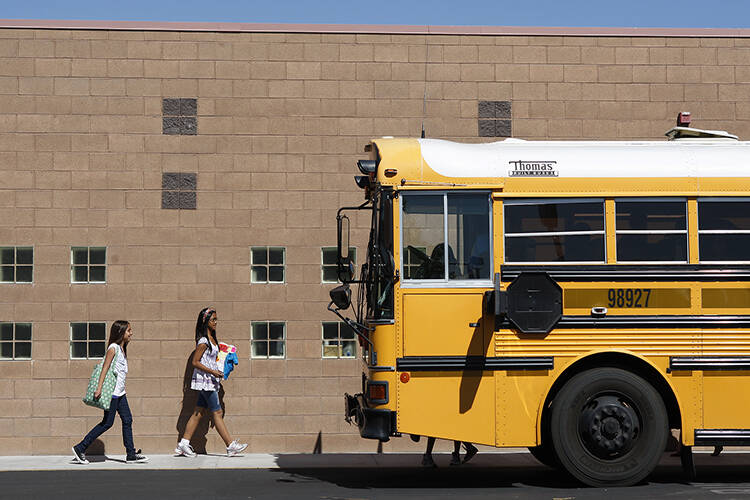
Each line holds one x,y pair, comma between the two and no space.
534,302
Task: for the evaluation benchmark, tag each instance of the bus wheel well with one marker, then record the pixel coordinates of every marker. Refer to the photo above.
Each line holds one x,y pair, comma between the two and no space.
624,362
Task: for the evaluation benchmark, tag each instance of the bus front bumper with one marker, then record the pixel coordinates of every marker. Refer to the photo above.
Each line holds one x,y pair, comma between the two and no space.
372,423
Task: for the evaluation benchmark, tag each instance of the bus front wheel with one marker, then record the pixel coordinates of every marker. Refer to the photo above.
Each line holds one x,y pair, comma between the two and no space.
608,427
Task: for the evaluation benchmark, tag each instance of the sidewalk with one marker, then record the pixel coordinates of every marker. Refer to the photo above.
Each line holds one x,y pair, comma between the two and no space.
512,457
254,461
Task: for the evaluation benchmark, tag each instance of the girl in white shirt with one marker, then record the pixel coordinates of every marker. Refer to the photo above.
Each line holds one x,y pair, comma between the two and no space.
119,338
207,380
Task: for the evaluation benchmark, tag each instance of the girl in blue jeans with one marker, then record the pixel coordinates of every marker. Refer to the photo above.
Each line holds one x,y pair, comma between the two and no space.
206,381
119,338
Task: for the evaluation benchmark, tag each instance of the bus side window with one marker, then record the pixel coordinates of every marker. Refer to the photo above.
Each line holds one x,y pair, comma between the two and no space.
423,234
469,236
463,219
724,230
554,231
651,230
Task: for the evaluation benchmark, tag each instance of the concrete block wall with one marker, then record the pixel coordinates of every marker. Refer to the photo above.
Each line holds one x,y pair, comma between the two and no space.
282,118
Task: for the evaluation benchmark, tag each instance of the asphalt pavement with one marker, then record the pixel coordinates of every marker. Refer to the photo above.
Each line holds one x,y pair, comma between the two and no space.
498,474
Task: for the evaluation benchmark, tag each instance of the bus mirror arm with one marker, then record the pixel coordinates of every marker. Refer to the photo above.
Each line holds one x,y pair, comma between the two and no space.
358,328
496,303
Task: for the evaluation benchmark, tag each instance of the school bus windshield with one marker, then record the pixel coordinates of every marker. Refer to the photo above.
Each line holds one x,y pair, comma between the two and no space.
378,271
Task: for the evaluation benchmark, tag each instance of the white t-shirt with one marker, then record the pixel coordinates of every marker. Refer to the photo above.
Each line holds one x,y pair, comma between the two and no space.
203,381
121,369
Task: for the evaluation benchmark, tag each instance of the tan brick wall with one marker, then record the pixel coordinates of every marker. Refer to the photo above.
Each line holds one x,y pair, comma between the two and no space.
280,116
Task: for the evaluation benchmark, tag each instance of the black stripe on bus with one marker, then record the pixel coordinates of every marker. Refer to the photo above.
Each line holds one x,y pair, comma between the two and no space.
679,272
656,321
722,437
709,363
472,363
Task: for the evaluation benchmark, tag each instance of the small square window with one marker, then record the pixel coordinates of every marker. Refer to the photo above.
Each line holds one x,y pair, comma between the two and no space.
88,264
339,340
16,264
267,339
328,267
179,116
267,264
87,340
179,190
494,118
15,341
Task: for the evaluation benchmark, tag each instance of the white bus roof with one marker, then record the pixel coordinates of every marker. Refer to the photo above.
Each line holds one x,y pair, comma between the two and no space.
704,157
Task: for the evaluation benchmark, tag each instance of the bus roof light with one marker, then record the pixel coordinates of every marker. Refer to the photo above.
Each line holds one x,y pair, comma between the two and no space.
362,181
367,167
683,119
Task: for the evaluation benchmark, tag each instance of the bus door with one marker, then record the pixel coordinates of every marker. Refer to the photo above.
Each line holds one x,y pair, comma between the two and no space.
446,264
723,236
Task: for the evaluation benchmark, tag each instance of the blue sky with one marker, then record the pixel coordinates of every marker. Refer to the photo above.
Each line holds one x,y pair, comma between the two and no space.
570,13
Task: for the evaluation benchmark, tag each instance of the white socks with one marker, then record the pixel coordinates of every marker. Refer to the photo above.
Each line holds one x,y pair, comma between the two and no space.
184,441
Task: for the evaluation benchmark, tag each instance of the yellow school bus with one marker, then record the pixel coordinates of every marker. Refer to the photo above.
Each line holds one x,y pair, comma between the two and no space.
581,299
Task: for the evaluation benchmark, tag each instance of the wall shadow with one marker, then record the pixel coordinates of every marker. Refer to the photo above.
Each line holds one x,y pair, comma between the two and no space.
189,399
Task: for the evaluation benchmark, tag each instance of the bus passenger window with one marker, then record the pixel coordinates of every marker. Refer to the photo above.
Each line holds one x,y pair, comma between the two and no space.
724,230
651,230
428,220
554,231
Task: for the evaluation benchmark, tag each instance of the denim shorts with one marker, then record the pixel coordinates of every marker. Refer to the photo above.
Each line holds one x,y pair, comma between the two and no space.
209,399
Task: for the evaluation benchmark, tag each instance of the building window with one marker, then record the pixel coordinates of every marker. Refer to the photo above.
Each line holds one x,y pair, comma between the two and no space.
338,340
17,264
328,268
15,340
268,339
178,190
651,230
87,340
413,259
88,264
494,119
724,230
267,264
180,116
552,231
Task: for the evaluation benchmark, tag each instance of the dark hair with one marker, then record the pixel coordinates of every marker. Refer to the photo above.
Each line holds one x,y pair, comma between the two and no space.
201,326
116,334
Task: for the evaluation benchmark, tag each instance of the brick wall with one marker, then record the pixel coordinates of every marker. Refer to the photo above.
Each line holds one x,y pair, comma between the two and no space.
281,120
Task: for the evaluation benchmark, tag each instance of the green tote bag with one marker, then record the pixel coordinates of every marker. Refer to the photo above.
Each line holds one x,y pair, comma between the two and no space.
108,387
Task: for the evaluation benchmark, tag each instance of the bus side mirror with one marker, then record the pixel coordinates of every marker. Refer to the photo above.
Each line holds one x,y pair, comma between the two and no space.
341,296
344,265
342,238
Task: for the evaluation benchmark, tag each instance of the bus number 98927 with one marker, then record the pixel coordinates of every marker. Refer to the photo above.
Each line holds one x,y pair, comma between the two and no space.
628,297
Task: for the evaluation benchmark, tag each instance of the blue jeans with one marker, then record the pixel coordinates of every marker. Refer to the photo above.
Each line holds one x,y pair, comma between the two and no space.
209,399
119,405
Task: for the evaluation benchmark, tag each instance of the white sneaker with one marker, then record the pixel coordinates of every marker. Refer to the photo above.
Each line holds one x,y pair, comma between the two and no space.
79,456
235,448
184,449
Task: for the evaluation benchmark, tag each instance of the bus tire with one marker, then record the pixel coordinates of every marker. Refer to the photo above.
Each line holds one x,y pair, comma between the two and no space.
609,427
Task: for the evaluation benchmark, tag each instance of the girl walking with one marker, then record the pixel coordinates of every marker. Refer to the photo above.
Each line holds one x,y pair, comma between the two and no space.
207,380
119,338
